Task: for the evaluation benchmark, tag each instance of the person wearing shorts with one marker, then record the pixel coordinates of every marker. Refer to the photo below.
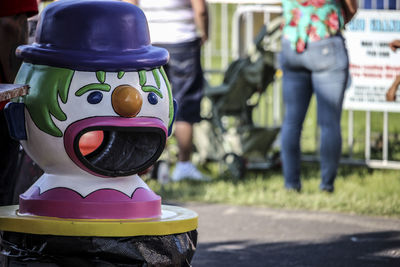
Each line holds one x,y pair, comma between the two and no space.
181,27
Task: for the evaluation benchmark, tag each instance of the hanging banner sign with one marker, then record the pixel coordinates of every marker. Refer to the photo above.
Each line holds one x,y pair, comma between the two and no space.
373,65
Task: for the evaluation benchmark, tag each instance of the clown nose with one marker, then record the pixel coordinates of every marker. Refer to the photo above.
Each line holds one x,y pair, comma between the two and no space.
126,101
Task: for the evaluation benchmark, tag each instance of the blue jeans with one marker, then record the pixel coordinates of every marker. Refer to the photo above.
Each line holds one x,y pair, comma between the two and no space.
322,69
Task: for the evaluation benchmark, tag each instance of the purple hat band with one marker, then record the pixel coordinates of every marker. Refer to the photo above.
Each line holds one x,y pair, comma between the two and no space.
92,35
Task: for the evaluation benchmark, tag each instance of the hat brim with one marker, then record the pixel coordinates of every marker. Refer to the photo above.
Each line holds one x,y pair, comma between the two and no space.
147,57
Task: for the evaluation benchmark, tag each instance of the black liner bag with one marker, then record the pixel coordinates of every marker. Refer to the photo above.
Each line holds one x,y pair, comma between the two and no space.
21,249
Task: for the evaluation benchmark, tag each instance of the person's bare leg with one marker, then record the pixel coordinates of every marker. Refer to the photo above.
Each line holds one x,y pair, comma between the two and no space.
184,137
184,167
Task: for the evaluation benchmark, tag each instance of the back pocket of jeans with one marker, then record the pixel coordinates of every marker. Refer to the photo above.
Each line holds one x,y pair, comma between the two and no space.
322,57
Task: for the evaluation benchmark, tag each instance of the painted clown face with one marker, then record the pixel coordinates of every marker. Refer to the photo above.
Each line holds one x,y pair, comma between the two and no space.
132,111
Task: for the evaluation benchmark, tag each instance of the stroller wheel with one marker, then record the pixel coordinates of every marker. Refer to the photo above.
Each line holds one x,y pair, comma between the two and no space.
236,165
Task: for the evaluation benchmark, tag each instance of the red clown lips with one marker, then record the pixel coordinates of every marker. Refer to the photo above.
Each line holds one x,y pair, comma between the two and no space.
128,146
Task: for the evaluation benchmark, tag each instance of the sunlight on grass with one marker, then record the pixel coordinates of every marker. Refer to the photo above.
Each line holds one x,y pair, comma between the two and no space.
358,191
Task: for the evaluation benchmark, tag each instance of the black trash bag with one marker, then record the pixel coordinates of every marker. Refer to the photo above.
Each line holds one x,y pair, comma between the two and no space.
20,249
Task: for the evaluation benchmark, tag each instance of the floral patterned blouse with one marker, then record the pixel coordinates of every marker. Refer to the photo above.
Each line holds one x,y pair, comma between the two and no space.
311,20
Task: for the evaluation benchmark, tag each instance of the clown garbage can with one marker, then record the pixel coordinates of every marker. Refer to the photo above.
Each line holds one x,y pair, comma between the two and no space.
91,70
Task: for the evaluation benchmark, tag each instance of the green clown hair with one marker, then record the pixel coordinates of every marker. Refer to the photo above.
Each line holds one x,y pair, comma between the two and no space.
150,88
47,84
171,103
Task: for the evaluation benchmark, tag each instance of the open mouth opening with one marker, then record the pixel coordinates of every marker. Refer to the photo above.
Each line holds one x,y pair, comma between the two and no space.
119,151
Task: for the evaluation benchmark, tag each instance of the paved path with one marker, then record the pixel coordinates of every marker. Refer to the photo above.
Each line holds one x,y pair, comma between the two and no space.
253,236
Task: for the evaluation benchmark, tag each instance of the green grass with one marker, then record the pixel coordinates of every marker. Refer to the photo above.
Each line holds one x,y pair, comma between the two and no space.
358,191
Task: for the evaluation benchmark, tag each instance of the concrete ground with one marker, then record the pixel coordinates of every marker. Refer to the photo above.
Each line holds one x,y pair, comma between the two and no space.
254,236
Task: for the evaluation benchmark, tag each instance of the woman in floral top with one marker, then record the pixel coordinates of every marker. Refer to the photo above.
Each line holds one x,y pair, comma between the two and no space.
311,20
314,60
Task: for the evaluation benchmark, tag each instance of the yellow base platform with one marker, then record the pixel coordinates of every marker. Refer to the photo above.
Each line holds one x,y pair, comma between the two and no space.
174,220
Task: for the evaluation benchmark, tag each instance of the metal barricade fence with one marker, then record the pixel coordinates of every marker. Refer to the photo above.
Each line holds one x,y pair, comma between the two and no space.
232,29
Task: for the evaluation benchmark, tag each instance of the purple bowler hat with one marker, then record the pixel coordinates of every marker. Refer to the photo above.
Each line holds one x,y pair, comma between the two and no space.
92,35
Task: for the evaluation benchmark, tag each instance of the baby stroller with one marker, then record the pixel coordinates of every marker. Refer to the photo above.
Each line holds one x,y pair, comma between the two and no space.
228,134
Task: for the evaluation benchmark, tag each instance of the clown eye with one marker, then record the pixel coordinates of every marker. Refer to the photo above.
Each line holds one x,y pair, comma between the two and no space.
153,99
94,97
